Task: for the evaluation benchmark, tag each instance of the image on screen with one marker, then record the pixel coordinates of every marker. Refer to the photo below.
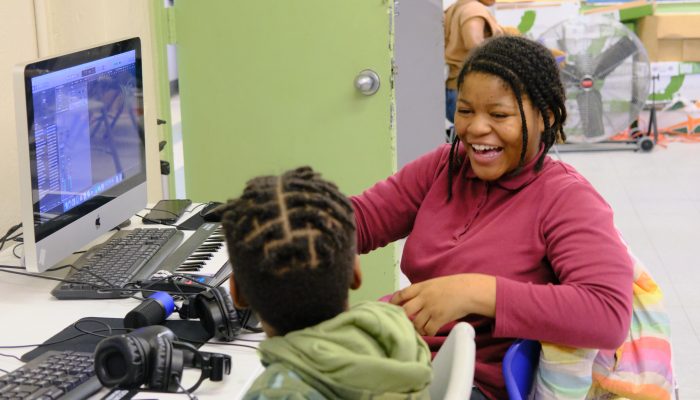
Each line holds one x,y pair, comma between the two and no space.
86,138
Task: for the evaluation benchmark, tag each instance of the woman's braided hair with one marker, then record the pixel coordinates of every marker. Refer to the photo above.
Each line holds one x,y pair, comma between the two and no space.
529,69
291,240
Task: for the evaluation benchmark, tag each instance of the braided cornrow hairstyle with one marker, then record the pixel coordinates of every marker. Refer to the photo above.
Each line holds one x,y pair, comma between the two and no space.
528,68
291,241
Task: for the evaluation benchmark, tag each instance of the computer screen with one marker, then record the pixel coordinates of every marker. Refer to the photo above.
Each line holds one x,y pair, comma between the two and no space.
80,134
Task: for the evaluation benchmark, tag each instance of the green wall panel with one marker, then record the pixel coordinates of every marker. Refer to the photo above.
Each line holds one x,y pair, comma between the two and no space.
159,21
268,85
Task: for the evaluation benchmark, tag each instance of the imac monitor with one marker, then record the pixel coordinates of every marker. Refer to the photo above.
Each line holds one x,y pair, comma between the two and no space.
81,148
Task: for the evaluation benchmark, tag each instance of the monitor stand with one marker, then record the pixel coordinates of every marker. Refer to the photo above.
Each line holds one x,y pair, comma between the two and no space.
124,224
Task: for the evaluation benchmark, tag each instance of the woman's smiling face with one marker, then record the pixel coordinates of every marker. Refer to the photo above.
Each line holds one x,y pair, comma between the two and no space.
489,125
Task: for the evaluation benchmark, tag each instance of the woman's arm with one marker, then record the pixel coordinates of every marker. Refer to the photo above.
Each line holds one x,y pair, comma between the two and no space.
473,32
386,211
473,24
592,304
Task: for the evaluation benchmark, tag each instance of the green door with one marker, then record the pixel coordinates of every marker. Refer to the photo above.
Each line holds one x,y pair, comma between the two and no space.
269,85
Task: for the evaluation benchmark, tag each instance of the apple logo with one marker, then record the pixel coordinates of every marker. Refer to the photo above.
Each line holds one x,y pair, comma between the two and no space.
97,222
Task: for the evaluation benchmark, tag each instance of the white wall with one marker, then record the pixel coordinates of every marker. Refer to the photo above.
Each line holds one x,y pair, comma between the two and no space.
18,44
42,28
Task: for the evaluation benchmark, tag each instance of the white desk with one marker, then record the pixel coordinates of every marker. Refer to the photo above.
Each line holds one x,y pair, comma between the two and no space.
31,315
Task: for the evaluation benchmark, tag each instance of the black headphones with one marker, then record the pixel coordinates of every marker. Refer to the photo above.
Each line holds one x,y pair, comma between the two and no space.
215,310
213,306
152,356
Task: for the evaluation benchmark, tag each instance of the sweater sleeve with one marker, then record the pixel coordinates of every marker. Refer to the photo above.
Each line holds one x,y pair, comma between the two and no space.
386,211
592,304
475,9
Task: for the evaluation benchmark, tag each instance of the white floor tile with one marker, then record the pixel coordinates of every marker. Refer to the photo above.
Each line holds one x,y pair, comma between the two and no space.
686,353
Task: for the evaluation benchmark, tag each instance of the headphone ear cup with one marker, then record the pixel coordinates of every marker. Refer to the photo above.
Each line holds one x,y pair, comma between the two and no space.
122,361
233,316
229,310
217,314
162,359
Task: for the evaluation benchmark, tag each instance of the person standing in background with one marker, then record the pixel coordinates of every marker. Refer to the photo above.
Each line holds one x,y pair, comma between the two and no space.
467,24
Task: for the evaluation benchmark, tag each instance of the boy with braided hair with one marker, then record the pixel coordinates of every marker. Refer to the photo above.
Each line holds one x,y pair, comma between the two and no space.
291,240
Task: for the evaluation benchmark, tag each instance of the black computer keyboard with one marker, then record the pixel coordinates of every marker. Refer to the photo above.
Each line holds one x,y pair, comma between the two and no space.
52,375
128,256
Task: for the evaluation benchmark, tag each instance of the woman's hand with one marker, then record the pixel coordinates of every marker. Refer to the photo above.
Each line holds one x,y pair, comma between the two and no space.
435,302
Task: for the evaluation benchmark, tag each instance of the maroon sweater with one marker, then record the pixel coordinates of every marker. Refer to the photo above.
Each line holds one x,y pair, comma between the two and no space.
562,273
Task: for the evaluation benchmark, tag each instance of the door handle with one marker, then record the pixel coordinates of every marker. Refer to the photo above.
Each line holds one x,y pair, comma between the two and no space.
367,82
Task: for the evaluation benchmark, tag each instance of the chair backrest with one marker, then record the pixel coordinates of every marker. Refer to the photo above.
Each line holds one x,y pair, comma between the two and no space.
453,365
519,367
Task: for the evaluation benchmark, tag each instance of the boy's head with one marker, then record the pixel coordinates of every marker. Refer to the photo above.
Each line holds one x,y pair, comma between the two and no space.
291,241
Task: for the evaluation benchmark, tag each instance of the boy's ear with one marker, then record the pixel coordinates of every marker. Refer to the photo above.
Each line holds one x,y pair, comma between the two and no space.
356,274
238,300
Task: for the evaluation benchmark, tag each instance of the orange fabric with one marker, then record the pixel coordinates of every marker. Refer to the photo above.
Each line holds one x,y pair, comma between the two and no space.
456,17
641,392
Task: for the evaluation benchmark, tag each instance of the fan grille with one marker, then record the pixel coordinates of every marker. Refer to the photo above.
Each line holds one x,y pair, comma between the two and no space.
605,73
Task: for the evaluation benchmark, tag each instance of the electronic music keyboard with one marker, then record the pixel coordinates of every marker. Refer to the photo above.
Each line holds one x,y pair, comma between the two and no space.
201,259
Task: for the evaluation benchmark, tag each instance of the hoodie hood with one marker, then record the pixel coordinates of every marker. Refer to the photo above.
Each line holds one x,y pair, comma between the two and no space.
368,350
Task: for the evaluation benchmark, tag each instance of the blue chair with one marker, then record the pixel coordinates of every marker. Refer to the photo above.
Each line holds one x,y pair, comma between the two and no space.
519,366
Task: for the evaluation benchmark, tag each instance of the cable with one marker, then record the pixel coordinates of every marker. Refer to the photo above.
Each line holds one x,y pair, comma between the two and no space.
170,278
8,233
244,316
58,268
109,328
48,270
161,210
4,371
8,269
252,329
2,269
184,391
14,250
111,287
198,206
249,340
221,343
190,278
207,205
87,270
11,356
16,238
21,346
155,221
166,278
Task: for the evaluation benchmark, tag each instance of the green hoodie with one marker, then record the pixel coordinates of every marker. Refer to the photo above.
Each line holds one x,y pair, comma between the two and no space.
371,351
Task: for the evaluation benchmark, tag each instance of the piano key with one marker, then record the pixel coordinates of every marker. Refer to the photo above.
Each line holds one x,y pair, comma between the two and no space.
203,254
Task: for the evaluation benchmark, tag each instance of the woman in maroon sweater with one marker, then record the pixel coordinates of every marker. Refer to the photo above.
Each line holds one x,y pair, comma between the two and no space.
499,234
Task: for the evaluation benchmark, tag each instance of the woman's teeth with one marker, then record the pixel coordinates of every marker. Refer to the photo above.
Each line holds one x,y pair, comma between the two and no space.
483,147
